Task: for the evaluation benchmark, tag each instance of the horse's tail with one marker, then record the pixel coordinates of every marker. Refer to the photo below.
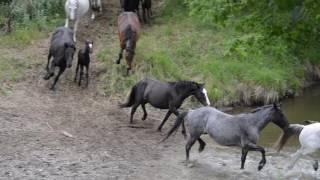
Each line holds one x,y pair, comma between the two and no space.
131,98
291,130
179,121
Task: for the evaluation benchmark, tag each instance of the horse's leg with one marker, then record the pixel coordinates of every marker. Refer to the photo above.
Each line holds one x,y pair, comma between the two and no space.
75,30
297,155
133,110
315,165
67,22
77,69
190,143
61,70
164,120
243,156
93,16
254,147
87,75
50,72
120,55
202,145
81,75
145,114
49,57
144,14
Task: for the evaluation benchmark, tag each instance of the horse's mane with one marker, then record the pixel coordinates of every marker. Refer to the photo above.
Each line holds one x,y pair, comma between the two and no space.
260,108
179,84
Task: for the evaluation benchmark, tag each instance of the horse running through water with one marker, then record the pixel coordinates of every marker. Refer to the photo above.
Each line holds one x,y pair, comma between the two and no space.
84,61
129,30
62,49
241,130
95,6
164,95
75,9
309,138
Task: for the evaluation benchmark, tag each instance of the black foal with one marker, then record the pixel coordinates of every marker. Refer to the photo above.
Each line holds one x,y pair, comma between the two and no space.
84,61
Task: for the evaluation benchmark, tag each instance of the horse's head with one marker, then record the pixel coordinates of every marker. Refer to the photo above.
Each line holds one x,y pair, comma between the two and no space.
200,93
89,45
278,118
69,50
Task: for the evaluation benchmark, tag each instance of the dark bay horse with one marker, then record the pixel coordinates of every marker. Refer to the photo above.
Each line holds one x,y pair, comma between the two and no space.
129,30
62,49
164,95
241,130
130,5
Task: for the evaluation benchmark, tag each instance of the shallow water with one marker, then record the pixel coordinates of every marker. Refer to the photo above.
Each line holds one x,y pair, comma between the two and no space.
298,109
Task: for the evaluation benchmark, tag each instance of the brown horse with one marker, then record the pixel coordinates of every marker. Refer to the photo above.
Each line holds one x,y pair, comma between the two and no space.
128,29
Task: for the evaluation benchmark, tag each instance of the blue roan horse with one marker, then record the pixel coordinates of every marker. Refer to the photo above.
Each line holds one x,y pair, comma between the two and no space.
240,130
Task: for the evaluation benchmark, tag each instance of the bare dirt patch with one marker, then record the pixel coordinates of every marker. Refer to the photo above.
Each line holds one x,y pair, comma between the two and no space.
77,133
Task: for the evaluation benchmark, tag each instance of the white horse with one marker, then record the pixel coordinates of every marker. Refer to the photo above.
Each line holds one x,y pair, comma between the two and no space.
96,5
75,9
309,138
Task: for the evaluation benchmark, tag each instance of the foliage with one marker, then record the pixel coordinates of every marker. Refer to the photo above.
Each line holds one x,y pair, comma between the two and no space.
22,13
297,22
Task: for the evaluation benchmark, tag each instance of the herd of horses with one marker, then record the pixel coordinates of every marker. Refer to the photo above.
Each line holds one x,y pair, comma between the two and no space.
242,130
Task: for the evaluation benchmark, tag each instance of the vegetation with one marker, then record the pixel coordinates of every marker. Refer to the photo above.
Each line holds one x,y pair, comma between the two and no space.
245,51
21,22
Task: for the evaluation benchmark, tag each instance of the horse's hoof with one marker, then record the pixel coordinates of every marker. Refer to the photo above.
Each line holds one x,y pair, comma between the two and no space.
260,167
159,129
46,77
190,165
201,148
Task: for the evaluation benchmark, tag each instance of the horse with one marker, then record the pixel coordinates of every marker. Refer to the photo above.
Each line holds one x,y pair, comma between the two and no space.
309,138
164,95
84,61
75,9
95,5
146,10
242,130
128,30
130,6
62,49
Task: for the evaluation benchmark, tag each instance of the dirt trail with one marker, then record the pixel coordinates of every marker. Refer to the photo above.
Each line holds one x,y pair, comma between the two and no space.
36,125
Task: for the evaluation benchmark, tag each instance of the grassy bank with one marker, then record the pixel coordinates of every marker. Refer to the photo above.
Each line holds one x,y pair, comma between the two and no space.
31,21
237,66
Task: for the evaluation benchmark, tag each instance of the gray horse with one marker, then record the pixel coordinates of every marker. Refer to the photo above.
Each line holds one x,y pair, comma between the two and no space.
62,49
239,130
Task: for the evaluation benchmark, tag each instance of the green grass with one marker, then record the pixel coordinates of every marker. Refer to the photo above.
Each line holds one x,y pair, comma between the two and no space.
25,34
180,48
